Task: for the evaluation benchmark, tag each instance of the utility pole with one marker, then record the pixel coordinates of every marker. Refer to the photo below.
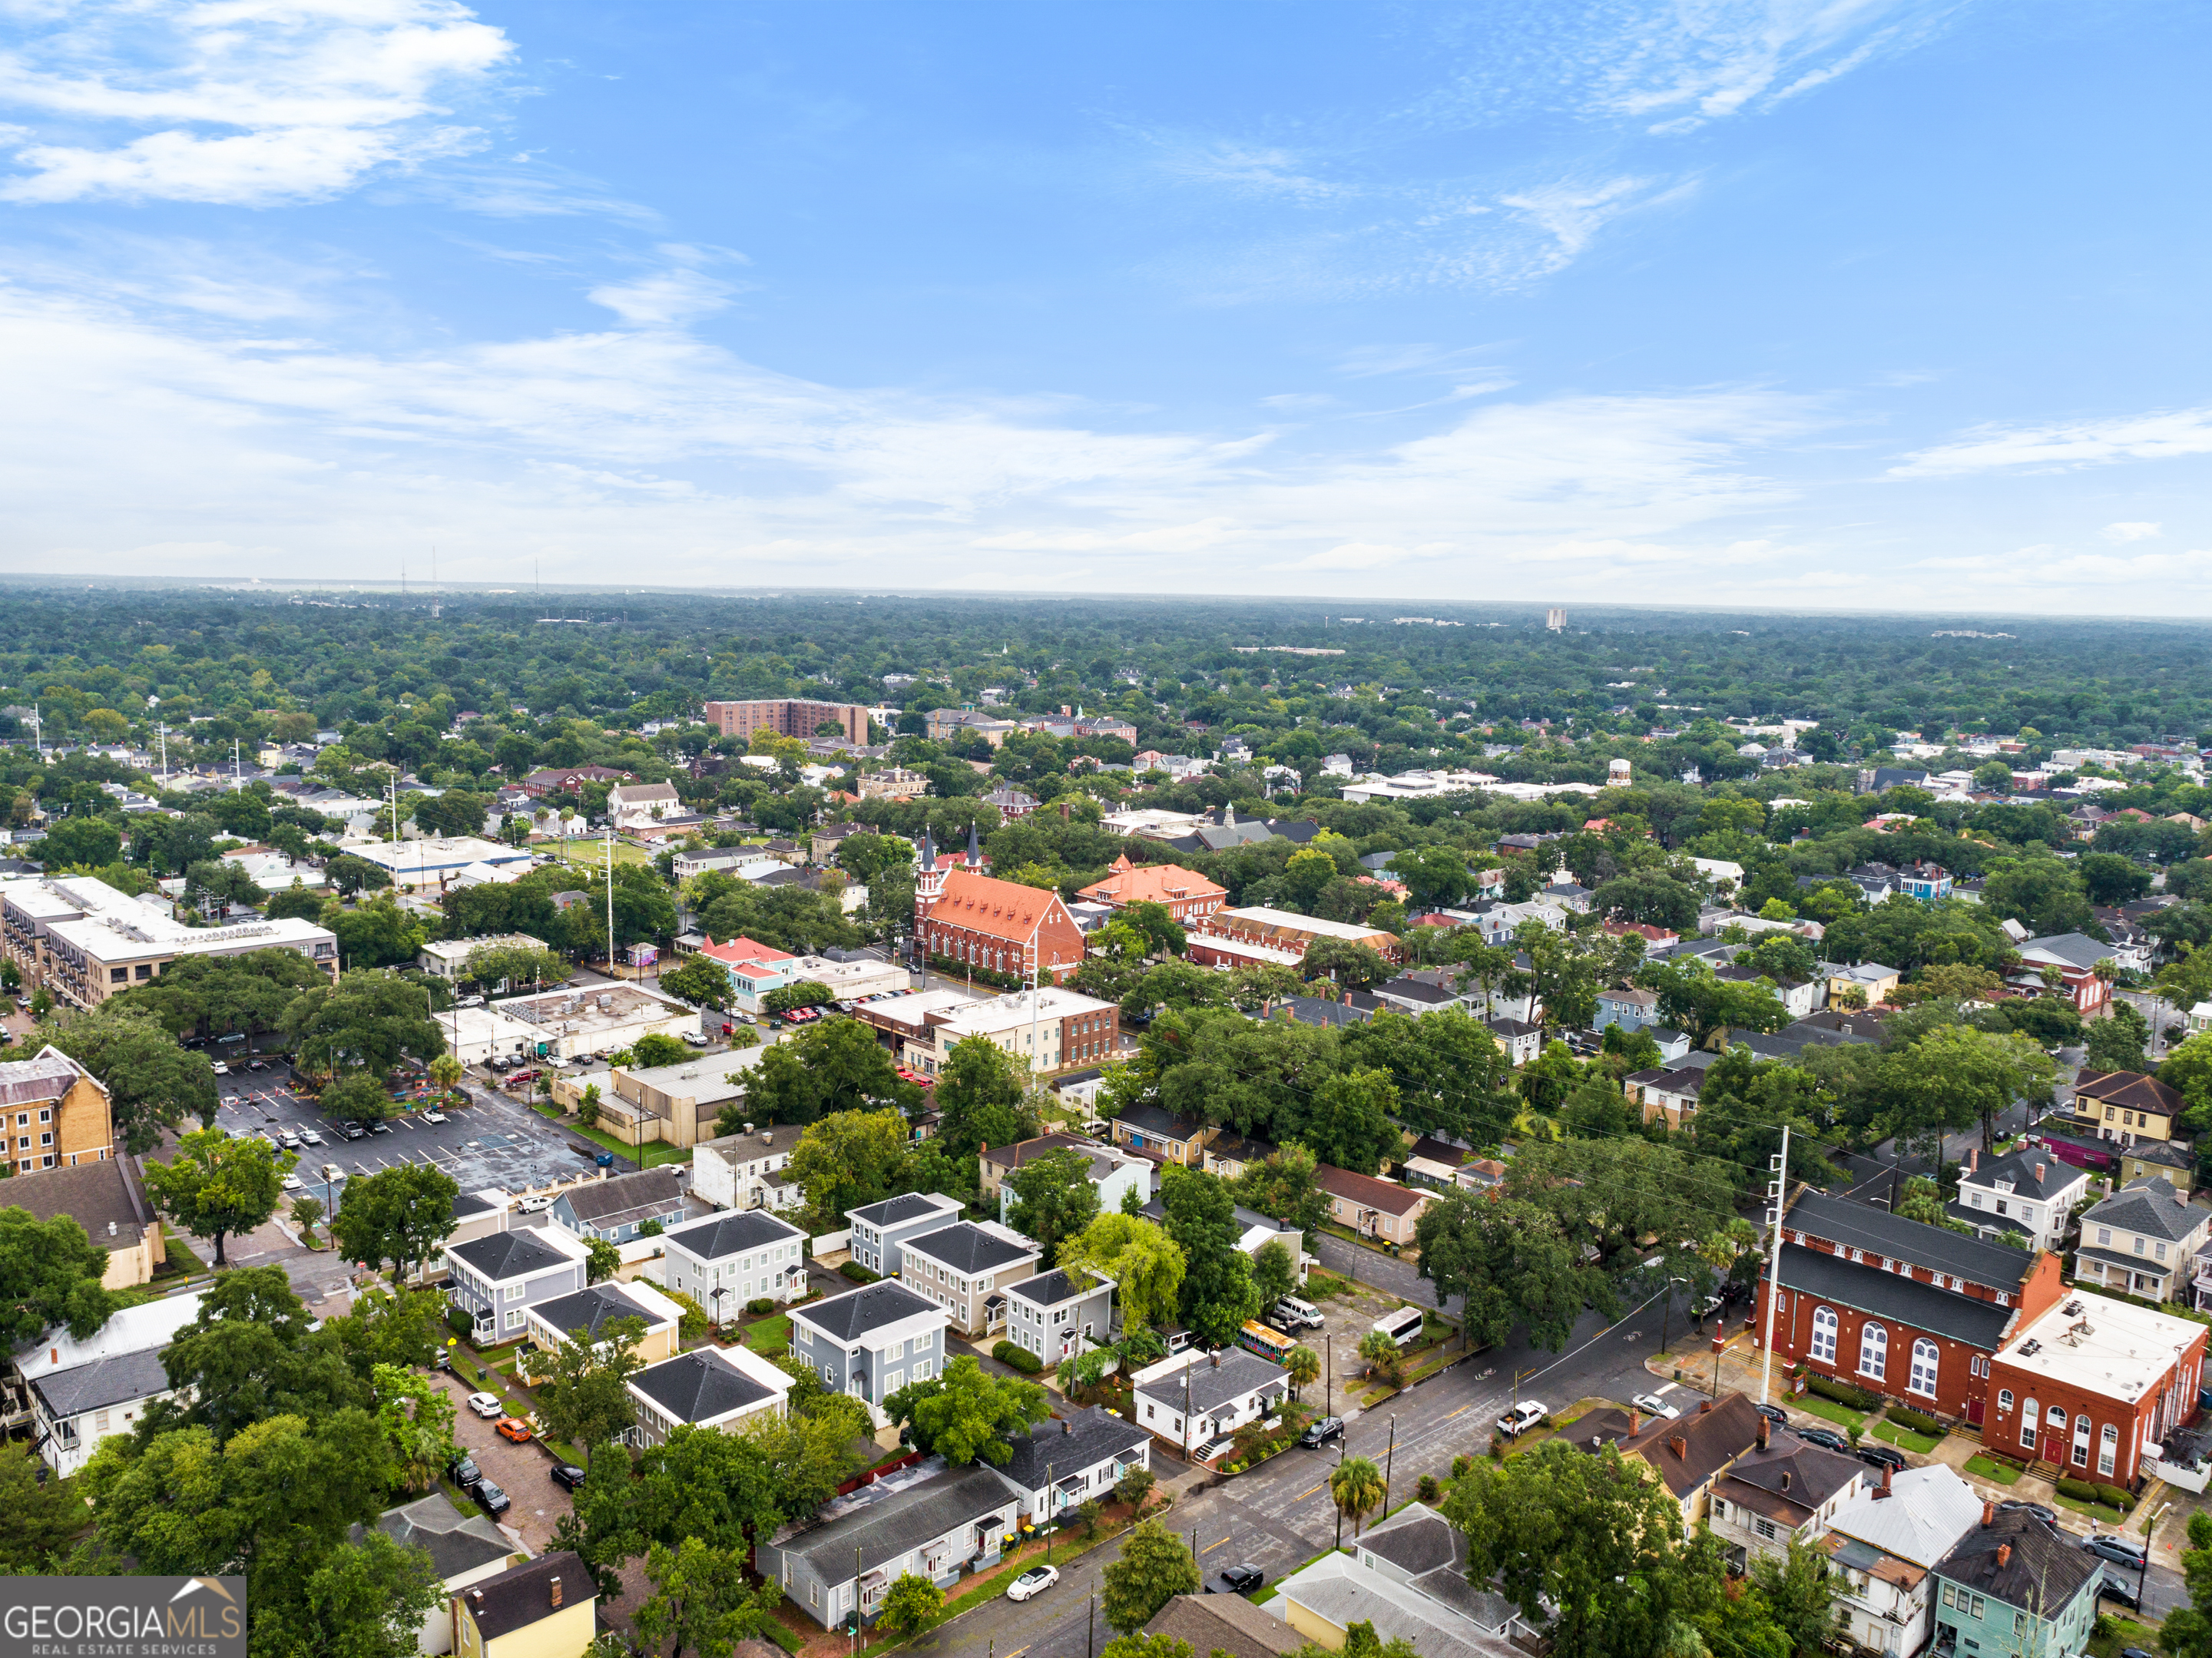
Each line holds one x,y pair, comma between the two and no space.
237,774
1390,1458
611,958
1778,1194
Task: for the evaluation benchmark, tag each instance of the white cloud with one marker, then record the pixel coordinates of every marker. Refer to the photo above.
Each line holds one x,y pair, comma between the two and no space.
2162,436
679,294
2133,531
248,102
1351,555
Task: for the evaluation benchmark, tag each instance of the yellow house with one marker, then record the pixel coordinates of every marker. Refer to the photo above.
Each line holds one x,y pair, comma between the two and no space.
105,1200
1870,977
588,1311
2127,1106
545,1609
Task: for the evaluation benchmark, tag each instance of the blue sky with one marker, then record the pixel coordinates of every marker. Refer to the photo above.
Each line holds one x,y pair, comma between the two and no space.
1872,303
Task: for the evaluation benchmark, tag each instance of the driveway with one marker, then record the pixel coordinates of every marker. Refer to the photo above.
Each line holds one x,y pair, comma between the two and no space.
524,1472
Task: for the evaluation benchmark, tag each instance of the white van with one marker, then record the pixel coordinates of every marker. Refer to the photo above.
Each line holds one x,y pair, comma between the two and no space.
1290,1313
1403,1326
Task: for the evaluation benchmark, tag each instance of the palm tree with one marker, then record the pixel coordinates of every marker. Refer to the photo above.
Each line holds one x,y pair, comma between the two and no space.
1381,1353
1357,1489
1303,1365
445,1071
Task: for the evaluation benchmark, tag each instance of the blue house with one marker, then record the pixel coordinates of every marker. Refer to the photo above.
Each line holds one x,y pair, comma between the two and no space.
615,1209
2012,1588
1631,1010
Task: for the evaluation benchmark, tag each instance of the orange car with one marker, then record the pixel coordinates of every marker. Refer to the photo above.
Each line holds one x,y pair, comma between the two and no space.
514,1428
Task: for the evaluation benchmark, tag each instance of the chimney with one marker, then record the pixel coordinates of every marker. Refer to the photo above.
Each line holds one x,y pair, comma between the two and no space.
1973,1159
2004,1555
1679,1446
477,1596
554,1585
1884,1480
1705,1405
1635,1418
1989,1512
1765,1426
1065,1426
1217,1361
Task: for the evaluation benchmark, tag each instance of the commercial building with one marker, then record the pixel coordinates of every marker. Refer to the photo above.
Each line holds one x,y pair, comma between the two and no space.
1048,1029
434,859
1225,937
84,941
448,958
754,970
2093,1386
1897,1306
605,1018
787,717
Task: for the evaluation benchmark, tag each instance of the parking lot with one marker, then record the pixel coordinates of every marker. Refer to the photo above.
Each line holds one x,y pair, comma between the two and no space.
492,1141
524,1472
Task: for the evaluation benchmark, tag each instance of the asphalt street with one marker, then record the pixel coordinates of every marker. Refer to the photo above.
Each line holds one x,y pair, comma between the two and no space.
1279,1515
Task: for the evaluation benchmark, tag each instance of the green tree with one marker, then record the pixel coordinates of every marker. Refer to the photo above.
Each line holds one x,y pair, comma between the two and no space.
152,1084
216,1185
805,992
1347,1120
252,1354
1355,1486
215,995
417,1417
1695,1001
39,1516
1282,1187
2187,1632
1303,1365
365,1600
1353,965
50,1274
1145,1264
377,934
1957,1075
583,1385
964,1412
1218,1295
513,969
979,1097
700,1602
400,1216
1513,1264
1154,1567
358,1096
847,1161
2116,1040
1053,1199
656,1048
826,1068
910,1604
1274,1274
1435,876
367,1020
602,1261
699,980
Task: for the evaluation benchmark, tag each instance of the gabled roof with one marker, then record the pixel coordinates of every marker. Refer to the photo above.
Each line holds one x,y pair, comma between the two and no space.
94,1195
1686,1451
896,1525
1052,1289
1067,1446
1152,1119
1878,1232
731,1232
1417,1540
1387,1196
967,1247
2131,1089
455,1542
523,1596
1129,882
590,1309
1906,1300
2150,1206
1214,1379
645,1191
1789,1475
858,1312
2075,950
1225,1622
700,1386
1000,910
2019,1168
502,1256
103,1382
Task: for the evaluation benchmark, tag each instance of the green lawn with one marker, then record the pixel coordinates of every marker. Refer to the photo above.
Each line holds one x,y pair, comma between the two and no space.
1983,1467
2119,1633
771,1336
1905,1438
2103,1511
174,1245
1842,1415
1320,1285
655,1151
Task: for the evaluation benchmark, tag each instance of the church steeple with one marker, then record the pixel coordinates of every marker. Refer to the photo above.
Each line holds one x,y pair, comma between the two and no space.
974,848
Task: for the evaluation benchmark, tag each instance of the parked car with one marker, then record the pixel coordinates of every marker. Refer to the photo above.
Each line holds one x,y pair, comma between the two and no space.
1321,1430
493,1499
1036,1581
514,1428
433,1116
1883,1456
352,1131
567,1476
1773,1414
1290,1313
1242,1578
2118,1550
694,1039
257,1065
2115,1588
292,1182
536,1202
465,1471
488,1405
2042,1511
289,1139
379,1126
1521,1417
1826,1438
1655,1405
309,1136
220,1069
441,1358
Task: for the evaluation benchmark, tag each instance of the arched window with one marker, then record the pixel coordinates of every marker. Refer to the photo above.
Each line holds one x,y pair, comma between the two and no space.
1924,1361
2081,1440
1824,1336
1874,1351
2029,1411
2004,1401
2056,1421
2107,1449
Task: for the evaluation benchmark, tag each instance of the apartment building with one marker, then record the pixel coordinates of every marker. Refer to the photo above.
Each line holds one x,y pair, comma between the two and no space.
966,1268
1050,1028
84,941
54,1113
787,717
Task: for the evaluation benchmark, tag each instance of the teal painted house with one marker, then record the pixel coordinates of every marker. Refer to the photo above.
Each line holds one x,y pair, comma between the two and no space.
2013,1589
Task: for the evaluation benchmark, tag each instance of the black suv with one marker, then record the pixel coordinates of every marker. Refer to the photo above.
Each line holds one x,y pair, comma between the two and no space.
490,1497
465,1471
1321,1430
1241,1578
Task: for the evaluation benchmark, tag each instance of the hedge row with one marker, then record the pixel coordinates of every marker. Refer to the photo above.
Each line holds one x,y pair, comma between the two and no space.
1919,1421
1842,1392
2081,1490
1019,1359
857,1273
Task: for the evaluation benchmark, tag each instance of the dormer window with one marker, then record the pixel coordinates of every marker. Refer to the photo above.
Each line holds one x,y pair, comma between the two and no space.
2002,1185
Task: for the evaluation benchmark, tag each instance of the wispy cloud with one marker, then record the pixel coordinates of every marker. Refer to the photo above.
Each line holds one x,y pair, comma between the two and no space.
246,102
2162,436
2132,532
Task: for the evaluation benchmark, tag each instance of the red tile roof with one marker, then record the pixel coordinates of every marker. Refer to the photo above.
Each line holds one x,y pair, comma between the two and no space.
995,908
1133,884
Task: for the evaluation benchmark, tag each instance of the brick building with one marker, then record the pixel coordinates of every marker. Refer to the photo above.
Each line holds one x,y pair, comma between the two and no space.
1231,938
787,717
1188,895
2091,1384
54,1114
965,917
1896,1307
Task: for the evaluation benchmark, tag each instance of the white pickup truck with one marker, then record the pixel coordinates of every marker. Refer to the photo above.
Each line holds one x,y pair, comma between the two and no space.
1521,1417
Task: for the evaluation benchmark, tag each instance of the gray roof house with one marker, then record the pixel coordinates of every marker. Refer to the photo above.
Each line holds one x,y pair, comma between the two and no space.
1225,1622
1418,1548
734,1256
464,1549
871,1341
965,1267
1056,1314
706,1387
498,1278
2141,1239
1197,1400
2028,1193
933,1522
1066,1462
615,1209
879,1229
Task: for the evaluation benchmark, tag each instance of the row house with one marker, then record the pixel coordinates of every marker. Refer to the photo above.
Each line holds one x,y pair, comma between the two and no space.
2093,1386
1898,1307
965,1268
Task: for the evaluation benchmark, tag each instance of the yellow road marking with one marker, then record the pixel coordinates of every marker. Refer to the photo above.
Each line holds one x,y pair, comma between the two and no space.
1302,1495
1208,1549
1462,1411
